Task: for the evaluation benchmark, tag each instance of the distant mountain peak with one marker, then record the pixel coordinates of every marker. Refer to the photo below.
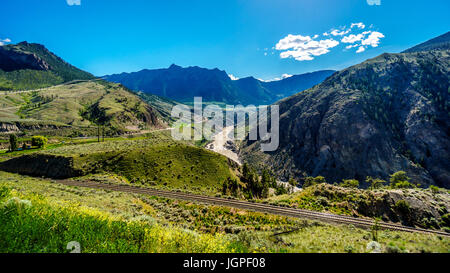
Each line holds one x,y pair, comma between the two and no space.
174,66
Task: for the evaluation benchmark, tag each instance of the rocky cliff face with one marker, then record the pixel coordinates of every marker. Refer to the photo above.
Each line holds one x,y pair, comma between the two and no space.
16,60
387,114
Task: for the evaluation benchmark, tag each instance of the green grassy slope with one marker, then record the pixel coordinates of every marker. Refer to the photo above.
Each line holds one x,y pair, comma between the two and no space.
81,105
155,161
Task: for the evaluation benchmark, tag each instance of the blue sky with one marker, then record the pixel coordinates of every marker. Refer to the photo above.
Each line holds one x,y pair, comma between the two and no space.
259,38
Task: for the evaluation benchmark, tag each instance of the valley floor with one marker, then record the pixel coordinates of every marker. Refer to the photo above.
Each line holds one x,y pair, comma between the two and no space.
219,144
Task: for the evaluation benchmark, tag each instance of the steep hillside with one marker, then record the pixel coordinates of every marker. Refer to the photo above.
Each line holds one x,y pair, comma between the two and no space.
387,114
29,66
439,43
163,106
214,85
78,106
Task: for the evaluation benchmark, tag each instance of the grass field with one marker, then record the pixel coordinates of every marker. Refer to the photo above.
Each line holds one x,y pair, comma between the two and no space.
104,221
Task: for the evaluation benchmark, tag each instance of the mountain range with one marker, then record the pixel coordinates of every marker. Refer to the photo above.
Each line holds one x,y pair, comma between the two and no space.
387,114
214,85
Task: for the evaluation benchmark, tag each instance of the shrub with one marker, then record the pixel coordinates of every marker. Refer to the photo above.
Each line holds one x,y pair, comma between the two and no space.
293,182
434,189
38,141
280,190
311,181
399,180
375,183
403,185
402,206
446,220
349,183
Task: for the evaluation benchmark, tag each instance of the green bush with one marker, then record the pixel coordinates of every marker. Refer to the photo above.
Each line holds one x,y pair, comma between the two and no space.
39,141
349,183
402,206
399,180
375,183
446,220
434,189
402,185
293,182
311,181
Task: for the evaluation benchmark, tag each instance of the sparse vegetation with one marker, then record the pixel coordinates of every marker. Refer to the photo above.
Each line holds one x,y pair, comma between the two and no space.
311,181
167,221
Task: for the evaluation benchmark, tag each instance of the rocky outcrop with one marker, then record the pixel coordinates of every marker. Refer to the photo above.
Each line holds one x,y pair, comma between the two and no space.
8,127
17,127
11,60
387,114
412,207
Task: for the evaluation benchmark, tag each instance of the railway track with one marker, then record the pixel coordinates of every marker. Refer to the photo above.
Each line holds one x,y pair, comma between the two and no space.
259,207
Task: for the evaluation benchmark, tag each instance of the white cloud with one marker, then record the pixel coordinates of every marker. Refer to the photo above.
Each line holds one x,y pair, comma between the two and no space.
284,76
336,32
373,39
73,2
351,46
359,25
363,40
292,41
233,78
350,39
361,49
304,48
3,41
